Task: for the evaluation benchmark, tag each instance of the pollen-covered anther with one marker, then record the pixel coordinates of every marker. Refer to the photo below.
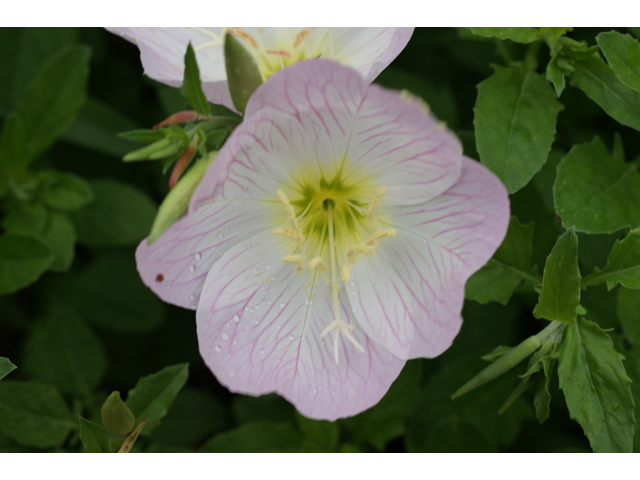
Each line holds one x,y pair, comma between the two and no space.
280,53
374,203
375,237
301,35
355,250
318,263
291,216
240,33
344,272
297,236
297,259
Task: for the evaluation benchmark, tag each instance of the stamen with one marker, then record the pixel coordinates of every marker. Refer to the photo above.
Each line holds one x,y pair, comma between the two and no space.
317,263
240,33
211,44
374,202
346,268
207,32
297,259
291,216
374,239
281,53
288,233
355,250
300,37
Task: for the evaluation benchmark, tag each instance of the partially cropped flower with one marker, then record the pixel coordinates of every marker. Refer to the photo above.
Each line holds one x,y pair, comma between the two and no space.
368,50
329,242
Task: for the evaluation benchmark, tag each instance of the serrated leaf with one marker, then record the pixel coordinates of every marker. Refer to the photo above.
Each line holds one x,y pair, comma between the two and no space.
32,413
64,352
52,100
560,295
109,293
6,367
152,396
600,84
258,437
629,313
120,214
515,123
623,54
191,86
243,74
14,156
22,260
623,264
510,265
94,438
595,192
596,387
515,34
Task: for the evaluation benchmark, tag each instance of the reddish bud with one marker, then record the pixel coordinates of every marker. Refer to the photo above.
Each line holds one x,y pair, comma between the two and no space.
181,164
186,116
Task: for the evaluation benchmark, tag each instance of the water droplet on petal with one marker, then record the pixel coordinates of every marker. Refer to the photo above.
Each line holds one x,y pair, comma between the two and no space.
213,249
236,318
257,322
222,235
282,304
353,284
292,337
268,266
192,268
424,241
198,256
262,351
224,336
192,297
255,271
235,342
218,348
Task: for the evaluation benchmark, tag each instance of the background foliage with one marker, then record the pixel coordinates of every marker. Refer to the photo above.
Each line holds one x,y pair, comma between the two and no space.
543,111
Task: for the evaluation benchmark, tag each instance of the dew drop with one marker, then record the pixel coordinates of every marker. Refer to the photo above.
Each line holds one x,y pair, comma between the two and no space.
282,304
235,342
255,271
315,392
353,284
236,318
262,351
218,348
192,297
192,268
198,256
224,336
354,292
424,241
324,372
257,322
226,229
292,337
222,235
213,249
279,326
268,266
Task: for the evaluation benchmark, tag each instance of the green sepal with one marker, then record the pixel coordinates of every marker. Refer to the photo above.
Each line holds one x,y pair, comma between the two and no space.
191,85
6,367
176,202
93,437
116,416
243,74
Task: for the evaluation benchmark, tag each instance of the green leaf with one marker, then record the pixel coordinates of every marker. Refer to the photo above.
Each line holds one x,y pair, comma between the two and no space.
556,76
110,294
560,295
52,100
542,399
6,367
63,191
258,437
152,396
595,192
243,74
25,218
321,434
515,34
93,437
22,53
597,80
387,420
515,122
629,313
623,264
33,413
455,436
269,407
510,265
61,238
623,54
97,126
596,387
194,416
191,87
64,352
119,215
14,157
22,260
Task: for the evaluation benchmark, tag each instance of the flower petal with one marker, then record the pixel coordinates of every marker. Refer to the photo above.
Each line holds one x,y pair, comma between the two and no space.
259,325
409,296
175,266
398,41
218,92
319,111
162,52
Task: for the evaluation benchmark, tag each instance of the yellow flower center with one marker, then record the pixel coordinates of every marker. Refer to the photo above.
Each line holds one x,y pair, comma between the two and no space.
333,220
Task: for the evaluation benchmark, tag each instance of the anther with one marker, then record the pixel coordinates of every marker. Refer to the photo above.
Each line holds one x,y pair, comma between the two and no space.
300,37
291,216
297,259
317,263
280,53
240,33
375,237
344,272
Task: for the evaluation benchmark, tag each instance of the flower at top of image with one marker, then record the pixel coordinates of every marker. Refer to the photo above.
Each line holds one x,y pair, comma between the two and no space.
368,50
329,242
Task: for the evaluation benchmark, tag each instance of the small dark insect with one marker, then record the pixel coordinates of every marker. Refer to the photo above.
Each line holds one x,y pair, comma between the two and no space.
160,277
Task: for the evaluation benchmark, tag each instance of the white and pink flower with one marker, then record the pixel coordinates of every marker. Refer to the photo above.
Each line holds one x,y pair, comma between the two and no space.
329,242
368,50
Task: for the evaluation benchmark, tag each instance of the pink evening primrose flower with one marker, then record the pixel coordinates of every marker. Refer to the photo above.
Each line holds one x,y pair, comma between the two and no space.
368,50
329,242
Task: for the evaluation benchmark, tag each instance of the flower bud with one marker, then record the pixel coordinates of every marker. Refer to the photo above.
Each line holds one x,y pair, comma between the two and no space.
116,416
243,74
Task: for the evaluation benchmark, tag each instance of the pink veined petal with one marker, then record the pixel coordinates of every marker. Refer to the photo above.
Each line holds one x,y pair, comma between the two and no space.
409,295
176,265
259,325
162,53
320,114
218,92
399,40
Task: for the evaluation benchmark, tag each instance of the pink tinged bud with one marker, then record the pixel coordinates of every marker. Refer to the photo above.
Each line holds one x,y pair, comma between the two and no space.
181,164
180,117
